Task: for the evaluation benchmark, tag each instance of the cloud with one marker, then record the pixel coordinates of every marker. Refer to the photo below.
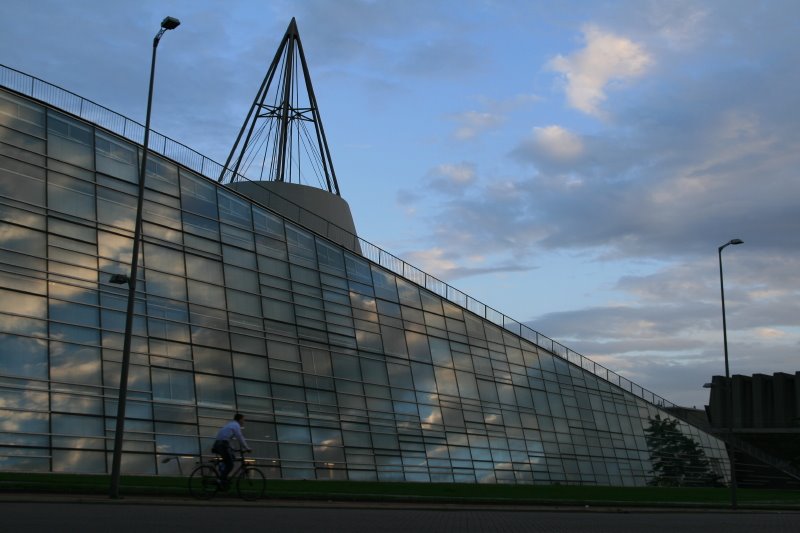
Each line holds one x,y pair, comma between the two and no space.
551,144
606,58
493,114
473,123
453,178
450,267
680,24
670,334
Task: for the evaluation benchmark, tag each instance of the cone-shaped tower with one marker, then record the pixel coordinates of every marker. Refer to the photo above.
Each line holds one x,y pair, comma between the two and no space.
282,138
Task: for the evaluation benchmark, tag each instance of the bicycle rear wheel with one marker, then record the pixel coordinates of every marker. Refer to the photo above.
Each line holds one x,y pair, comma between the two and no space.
204,482
251,484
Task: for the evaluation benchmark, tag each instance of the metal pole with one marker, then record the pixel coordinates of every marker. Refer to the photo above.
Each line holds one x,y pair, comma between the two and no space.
728,381
119,428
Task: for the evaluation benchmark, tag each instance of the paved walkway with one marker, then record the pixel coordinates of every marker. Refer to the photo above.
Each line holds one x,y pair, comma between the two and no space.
35,513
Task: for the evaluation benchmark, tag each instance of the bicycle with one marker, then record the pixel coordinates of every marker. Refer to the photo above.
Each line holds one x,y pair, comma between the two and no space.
205,481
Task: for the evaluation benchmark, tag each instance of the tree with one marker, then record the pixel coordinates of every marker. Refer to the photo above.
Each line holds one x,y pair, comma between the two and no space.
678,461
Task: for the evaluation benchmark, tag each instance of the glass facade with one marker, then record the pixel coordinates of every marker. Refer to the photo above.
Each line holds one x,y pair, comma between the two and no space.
343,369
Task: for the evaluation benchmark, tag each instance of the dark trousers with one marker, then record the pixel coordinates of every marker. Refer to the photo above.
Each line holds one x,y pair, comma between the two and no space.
223,448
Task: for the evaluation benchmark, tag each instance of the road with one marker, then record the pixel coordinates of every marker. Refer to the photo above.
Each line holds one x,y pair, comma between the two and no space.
174,516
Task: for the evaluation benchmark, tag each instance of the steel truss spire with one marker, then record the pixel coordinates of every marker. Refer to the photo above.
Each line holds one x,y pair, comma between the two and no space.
276,142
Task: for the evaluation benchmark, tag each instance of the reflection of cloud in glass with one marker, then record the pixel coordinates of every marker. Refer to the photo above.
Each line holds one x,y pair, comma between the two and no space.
430,414
86,370
24,326
23,422
73,293
79,461
76,401
493,418
29,399
21,304
114,247
23,356
16,237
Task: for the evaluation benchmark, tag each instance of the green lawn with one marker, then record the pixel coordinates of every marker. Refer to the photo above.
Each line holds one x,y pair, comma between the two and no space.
421,492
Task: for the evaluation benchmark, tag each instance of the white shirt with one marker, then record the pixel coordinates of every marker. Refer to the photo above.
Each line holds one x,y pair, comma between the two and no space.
230,431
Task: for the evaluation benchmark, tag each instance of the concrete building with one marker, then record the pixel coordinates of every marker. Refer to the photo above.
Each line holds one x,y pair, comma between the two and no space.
763,412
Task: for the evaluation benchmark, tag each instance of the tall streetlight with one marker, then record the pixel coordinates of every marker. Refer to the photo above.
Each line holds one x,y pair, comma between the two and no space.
169,23
727,373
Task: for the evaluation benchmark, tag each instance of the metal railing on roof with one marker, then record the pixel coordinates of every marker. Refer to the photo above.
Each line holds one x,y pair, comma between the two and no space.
182,154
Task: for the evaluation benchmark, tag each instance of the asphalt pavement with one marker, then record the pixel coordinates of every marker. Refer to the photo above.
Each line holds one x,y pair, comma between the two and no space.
34,513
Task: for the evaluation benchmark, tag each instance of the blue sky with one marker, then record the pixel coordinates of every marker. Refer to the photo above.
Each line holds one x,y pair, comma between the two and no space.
574,165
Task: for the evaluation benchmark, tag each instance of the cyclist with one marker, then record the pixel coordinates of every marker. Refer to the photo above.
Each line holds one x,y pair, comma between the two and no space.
222,446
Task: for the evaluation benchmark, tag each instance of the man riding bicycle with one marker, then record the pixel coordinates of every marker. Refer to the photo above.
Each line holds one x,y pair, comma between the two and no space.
222,446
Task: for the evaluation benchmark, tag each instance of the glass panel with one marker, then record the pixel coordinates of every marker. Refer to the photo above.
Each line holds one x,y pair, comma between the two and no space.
241,278
423,377
467,384
20,304
408,293
302,249
212,361
250,366
270,247
165,285
29,429
116,209
69,140
21,114
374,371
446,380
237,256
75,313
399,376
202,226
23,240
23,182
198,195
168,320
23,357
234,209
330,258
164,259
243,302
204,269
418,348
267,223
394,341
357,269
384,285
237,236
172,385
161,175
277,310
116,157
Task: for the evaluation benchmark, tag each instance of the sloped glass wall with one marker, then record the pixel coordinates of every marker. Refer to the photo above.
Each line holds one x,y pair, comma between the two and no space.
343,369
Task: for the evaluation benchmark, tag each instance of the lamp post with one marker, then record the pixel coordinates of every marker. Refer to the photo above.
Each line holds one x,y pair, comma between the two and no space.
727,373
169,23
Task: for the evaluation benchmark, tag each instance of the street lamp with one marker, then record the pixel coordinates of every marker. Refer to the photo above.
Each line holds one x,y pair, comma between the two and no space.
727,373
169,23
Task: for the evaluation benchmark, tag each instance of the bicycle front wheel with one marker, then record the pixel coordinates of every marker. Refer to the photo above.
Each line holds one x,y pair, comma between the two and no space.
204,482
251,484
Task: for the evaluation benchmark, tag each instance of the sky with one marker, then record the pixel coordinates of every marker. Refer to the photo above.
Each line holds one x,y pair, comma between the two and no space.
574,165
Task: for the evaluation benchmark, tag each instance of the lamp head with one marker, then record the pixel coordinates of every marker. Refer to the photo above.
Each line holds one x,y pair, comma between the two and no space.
732,241
170,23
